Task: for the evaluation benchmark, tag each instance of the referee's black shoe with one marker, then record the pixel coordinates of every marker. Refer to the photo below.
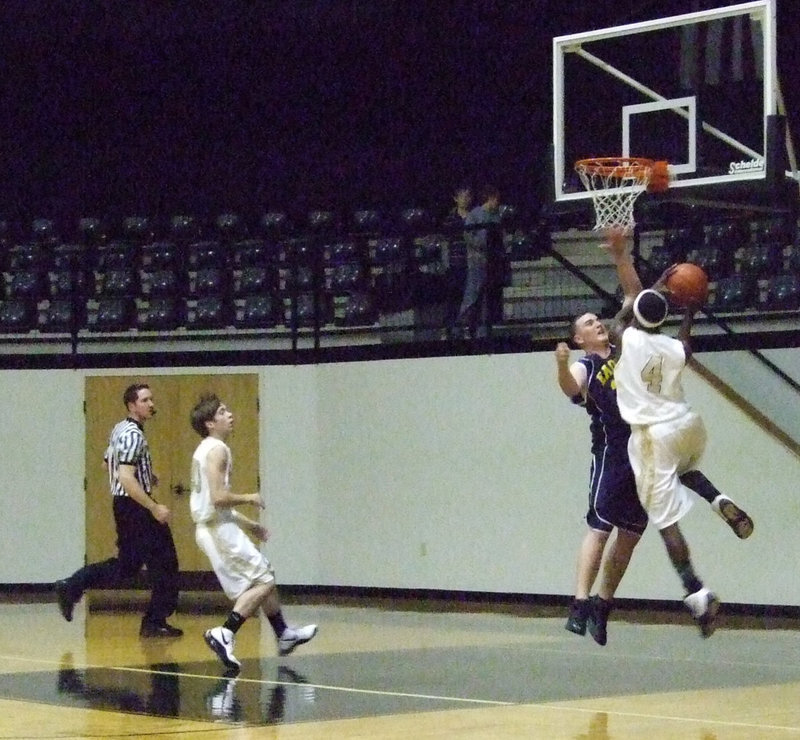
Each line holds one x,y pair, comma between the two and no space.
159,629
64,596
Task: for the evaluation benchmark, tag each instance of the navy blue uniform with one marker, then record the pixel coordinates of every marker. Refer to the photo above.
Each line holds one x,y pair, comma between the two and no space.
613,501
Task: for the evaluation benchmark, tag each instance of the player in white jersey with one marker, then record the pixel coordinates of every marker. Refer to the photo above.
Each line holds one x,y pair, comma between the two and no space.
246,576
667,437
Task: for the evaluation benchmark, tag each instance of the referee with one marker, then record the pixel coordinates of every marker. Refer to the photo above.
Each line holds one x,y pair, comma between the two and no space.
143,533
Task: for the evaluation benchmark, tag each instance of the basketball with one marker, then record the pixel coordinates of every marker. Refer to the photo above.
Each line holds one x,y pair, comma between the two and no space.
687,282
659,177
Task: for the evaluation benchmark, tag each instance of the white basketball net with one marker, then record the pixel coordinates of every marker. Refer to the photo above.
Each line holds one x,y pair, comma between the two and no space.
614,184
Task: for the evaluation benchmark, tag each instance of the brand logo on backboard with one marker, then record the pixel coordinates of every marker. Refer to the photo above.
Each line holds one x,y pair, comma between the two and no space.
747,165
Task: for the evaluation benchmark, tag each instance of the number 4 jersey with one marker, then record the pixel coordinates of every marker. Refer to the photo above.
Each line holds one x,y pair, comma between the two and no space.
648,377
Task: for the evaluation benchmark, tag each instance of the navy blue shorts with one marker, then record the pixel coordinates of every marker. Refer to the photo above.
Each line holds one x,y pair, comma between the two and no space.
613,501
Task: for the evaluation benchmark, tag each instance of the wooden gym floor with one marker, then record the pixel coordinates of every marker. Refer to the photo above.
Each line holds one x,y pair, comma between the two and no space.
383,670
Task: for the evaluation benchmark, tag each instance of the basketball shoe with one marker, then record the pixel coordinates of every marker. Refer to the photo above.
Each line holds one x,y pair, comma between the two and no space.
222,641
735,517
66,598
597,621
703,605
576,619
292,637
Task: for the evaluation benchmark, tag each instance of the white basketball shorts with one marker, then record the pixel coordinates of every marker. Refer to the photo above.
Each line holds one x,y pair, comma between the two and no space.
659,453
238,563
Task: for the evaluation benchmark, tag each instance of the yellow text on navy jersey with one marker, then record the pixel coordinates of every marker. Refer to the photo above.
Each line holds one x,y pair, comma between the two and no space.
606,373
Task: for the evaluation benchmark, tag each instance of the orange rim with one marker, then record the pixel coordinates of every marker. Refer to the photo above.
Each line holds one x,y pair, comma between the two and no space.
637,167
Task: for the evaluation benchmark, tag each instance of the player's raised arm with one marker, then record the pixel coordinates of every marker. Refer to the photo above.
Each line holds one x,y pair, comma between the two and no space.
685,330
618,245
571,378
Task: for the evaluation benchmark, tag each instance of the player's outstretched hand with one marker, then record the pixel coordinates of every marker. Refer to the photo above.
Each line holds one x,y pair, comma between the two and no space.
562,353
616,240
661,283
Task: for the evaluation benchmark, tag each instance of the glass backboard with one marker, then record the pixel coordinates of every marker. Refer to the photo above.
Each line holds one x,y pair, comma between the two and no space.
695,90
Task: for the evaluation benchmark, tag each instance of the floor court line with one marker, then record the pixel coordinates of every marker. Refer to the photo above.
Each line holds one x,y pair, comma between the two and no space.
270,682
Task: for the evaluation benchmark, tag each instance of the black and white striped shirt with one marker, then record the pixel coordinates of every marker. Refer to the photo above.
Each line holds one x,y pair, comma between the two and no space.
128,446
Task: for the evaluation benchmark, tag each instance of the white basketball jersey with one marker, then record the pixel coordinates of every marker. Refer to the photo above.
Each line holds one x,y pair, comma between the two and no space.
648,377
200,503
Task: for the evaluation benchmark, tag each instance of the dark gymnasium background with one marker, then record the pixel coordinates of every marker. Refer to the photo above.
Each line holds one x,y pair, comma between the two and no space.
146,107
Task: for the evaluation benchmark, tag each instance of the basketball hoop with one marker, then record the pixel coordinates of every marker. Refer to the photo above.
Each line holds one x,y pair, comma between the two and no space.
614,183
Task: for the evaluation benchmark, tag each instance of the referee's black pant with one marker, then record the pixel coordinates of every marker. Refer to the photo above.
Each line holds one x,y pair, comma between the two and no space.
141,541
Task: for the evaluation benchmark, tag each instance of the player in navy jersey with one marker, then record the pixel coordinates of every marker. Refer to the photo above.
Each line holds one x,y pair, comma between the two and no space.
613,502
143,534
